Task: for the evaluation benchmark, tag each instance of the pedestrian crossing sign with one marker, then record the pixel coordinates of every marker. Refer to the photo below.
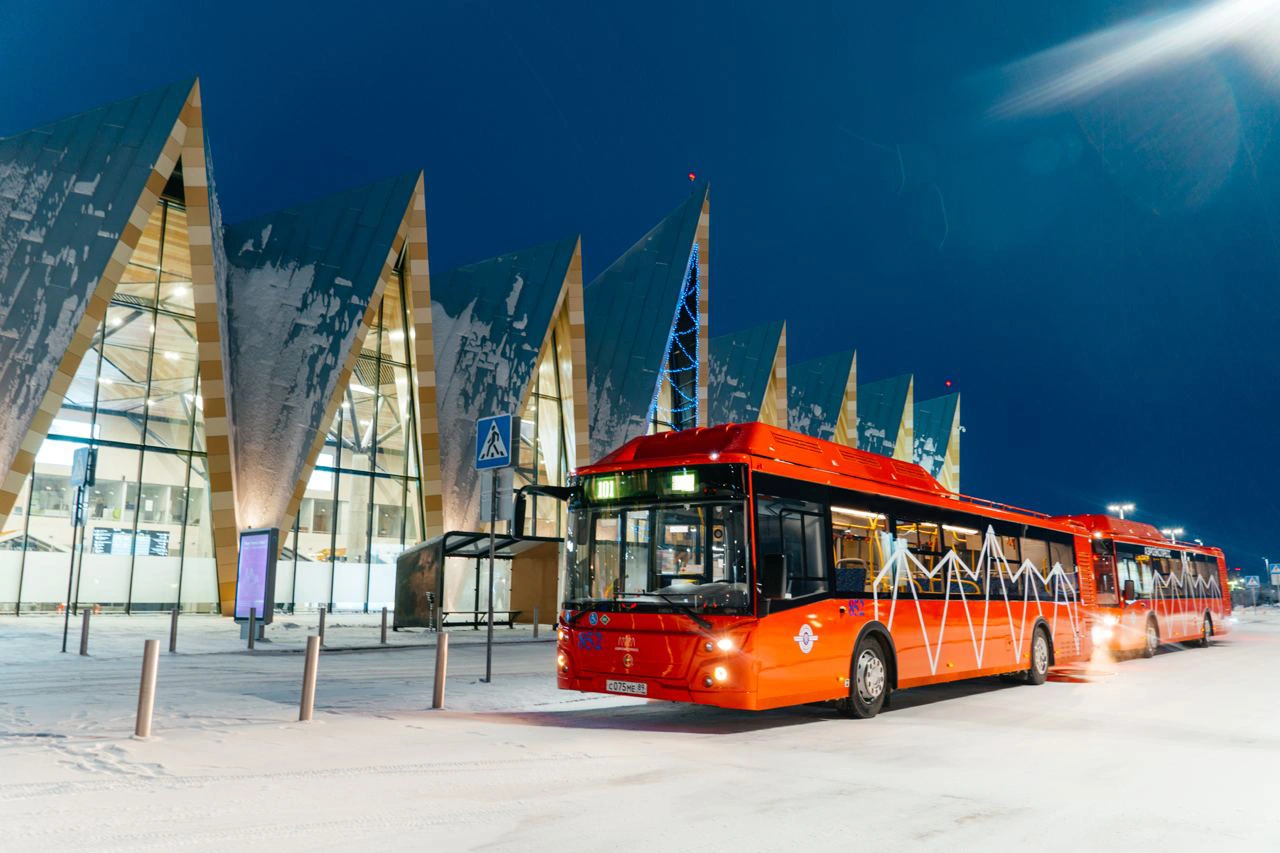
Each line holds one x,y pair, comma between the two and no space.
493,442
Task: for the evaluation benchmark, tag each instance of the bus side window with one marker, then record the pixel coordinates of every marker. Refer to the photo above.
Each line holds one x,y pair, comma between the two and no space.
999,583
1036,552
967,544
857,546
1162,585
1173,572
1066,581
1207,569
796,530
1141,572
923,540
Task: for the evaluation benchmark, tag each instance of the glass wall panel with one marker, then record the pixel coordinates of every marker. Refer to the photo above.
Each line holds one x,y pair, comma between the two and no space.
157,539
286,567
199,586
107,548
362,505
145,542
313,569
48,542
545,449
13,550
170,406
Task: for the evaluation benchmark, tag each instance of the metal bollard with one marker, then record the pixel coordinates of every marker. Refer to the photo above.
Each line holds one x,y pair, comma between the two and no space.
84,631
535,621
308,703
253,625
384,626
442,664
322,611
173,631
147,688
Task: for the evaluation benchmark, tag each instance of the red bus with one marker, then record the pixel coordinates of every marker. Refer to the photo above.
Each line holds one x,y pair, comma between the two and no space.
1151,590
750,567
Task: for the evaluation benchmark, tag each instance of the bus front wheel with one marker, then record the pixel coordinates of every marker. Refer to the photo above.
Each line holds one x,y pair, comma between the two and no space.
868,680
1206,631
1151,640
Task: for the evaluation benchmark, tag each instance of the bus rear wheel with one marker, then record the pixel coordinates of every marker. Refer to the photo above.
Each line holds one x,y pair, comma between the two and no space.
868,680
1040,655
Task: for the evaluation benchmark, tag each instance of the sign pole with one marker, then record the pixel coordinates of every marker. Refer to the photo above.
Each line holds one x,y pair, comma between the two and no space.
71,569
495,442
493,523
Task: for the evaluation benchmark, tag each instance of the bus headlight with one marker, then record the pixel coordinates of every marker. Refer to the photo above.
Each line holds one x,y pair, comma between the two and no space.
562,662
724,644
1101,634
721,673
1110,621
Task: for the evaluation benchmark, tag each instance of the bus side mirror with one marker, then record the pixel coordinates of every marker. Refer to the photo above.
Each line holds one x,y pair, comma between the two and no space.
521,501
773,576
517,514
1128,592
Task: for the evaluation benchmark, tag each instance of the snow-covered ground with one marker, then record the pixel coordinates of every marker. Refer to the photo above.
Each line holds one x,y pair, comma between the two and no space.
1174,753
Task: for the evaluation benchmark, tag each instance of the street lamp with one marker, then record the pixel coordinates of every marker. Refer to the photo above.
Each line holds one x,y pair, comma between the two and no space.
1172,532
1120,509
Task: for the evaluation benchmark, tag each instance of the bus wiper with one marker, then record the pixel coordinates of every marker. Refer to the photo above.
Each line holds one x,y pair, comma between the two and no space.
678,605
589,607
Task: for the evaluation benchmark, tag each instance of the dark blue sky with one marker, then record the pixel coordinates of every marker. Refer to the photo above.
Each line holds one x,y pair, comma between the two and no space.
1099,280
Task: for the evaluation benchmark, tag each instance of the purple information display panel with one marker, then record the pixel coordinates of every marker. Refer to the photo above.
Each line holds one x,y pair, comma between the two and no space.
256,574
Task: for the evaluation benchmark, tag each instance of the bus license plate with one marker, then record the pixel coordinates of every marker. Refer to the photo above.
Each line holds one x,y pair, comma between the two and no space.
631,688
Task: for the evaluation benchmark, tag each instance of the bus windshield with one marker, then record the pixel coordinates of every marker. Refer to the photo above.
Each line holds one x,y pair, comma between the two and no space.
682,548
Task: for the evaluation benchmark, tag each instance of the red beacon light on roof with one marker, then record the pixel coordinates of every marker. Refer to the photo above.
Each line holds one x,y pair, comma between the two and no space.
693,176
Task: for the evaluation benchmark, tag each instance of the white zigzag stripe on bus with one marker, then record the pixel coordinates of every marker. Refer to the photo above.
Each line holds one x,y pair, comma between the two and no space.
899,568
1188,580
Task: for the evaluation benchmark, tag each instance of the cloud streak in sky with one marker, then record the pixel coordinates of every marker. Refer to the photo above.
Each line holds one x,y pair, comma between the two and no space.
1075,71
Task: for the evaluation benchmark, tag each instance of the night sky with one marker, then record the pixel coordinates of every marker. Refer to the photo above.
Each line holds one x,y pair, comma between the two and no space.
1098,278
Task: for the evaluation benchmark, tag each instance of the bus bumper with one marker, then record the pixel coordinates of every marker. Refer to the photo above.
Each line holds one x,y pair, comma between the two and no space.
658,689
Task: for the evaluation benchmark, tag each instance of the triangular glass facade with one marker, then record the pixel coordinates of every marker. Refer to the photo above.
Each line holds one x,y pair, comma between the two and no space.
146,542
363,502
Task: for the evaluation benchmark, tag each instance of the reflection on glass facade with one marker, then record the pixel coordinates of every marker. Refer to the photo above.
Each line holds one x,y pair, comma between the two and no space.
546,432
363,502
146,542
544,457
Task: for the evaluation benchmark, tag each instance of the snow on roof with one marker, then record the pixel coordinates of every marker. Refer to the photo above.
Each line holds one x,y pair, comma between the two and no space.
489,321
738,372
67,190
298,284
881,406
817,393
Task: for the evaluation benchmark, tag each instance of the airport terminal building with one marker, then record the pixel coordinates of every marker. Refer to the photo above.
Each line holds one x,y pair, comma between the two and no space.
309,371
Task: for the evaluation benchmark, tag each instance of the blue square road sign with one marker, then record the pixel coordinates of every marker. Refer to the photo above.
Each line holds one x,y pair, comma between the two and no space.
493,442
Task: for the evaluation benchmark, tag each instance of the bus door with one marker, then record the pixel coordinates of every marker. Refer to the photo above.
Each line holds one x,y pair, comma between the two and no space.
1135,594
1104,574
802,639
